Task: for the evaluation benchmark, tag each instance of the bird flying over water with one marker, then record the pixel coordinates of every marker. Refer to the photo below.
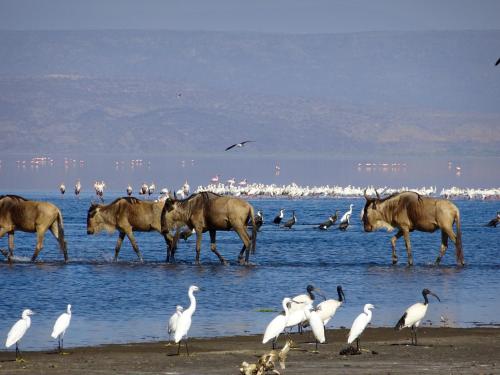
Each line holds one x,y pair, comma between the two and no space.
241,144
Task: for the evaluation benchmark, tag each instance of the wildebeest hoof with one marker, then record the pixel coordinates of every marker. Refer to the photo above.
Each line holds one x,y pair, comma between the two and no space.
394,261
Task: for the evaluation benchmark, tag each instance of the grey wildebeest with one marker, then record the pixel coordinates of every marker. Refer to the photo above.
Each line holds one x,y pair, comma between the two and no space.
207,211
126,214
17,213
409,211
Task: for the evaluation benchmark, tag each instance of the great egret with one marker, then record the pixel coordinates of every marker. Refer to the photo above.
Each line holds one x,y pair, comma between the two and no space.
277,325
359,325
172,322
18,330
414,315
346,218
184,321
60,327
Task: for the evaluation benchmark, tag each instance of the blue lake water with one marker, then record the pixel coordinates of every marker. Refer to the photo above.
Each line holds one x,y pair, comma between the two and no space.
131,302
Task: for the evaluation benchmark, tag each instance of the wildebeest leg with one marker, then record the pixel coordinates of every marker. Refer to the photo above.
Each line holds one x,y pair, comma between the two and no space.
406,236
171,246
393,243
131,238
444,246
213,246
198,245
246,242
3,231
121,236
39,243
11,245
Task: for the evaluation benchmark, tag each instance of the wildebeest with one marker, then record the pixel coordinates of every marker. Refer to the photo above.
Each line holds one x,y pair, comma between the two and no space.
126,214
409,211
18,213
207,211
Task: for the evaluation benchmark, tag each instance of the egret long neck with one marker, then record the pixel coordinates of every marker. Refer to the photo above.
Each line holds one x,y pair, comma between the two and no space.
192,305
285,307
27,319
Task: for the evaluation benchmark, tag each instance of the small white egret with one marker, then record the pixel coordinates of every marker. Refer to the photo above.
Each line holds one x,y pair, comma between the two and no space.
316,324
414,315
277,325
172,322
60,327
18,330
359,325
184,321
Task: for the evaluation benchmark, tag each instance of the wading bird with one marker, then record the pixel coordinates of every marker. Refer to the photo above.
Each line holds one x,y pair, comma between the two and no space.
259,219
172,322
184,321
17,332
494,222
129,190
60,327
78,188
279,217
278,324
345,221
414,315
241,144
359,325
62,189
331,220
290,223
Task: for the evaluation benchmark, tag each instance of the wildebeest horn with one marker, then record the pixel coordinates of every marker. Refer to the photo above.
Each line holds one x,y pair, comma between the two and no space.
376,192
366,196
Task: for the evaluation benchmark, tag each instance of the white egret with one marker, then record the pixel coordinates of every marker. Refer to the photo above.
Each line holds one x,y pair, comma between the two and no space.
18,330
60,327
346,218
277,325
316,324
414,315
172,322
184,321
359,325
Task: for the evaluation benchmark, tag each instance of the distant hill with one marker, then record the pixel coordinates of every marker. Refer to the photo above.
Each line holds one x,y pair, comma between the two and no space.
383,93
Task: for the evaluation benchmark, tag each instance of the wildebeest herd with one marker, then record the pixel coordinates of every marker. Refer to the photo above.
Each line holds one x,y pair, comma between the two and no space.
210,212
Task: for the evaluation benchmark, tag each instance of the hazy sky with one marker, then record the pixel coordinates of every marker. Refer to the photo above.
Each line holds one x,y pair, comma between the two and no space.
300,16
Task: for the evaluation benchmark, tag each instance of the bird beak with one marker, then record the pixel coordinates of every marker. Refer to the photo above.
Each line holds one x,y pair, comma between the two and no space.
435,295
343,295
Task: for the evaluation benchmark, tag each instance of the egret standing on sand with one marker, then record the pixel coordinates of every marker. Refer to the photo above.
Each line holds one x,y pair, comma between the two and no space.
18,330
60,327
184,321
172,322
414,315
277,325
241,144
359,325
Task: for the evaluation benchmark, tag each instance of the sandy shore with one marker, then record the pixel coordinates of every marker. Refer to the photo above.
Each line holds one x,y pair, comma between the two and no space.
440,350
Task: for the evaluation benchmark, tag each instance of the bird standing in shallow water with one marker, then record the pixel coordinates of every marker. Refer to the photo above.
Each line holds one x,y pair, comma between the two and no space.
17,332
60,327
184,321
290,223
279,217
259,219
495,221
345,220
414,315
331,220
359,325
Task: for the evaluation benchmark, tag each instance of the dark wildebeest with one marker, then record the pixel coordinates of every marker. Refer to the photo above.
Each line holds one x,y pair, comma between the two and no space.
409,211
211,212
126,215
17,213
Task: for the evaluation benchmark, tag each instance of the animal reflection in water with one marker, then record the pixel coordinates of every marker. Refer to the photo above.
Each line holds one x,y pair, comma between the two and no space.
409,211
126,215
211,212
17,213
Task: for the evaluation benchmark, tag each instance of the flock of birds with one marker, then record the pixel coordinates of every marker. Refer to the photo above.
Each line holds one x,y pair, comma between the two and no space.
332,219
298,311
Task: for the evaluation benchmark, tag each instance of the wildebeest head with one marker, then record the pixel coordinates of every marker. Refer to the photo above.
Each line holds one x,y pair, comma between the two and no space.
95,220
372,217
169,206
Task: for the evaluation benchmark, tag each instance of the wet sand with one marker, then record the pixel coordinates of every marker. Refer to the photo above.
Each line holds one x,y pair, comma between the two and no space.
440,351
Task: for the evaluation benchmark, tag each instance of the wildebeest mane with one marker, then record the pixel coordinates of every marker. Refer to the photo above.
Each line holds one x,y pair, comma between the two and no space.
12,196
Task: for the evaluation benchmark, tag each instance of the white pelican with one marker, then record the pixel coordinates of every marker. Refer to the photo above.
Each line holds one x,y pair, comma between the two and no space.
359,325
277,325
172,322
290,223
18,330
151,188
184,321
316,324
414,314
60,327
279,217
78,188
129,190
241,144
62,188
327,309
144,189
345,221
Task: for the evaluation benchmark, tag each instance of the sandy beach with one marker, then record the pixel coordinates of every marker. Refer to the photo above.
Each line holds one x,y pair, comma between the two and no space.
440,350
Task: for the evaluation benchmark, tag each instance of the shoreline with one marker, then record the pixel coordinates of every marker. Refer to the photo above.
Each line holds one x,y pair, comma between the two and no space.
440,350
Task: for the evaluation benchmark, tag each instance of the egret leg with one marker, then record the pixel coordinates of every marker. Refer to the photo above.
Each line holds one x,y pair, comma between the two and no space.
179,348
416,337
18,355
187,349
357,345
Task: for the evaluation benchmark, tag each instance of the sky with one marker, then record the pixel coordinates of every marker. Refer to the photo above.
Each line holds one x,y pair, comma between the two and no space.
285,16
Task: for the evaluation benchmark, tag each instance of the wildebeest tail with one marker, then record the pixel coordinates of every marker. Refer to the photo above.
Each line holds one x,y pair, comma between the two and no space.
401,322
458,243
254,230
60,236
